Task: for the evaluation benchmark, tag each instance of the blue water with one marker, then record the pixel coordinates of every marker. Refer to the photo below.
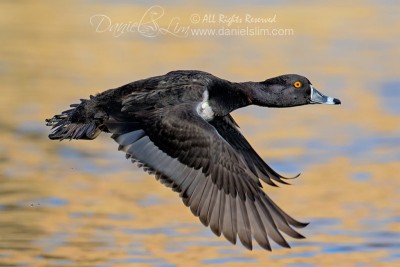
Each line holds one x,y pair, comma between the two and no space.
223,260
390,97
362,176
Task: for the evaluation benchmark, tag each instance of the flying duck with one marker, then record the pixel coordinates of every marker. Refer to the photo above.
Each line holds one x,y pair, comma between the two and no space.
178,127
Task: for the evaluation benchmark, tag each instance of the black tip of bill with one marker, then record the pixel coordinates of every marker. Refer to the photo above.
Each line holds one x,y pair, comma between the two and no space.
336,101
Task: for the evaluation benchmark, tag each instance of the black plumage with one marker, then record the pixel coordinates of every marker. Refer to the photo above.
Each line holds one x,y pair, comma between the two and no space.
178,127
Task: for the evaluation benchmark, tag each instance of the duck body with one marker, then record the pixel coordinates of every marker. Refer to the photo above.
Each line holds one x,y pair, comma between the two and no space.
175,88
178,127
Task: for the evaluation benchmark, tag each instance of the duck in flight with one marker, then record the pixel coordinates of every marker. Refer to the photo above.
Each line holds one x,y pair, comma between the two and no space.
178,127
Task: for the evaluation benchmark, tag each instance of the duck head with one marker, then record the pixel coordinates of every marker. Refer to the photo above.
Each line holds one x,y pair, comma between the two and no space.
288,91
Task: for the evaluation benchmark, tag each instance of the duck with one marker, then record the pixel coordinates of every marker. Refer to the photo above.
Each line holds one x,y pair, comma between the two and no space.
178,127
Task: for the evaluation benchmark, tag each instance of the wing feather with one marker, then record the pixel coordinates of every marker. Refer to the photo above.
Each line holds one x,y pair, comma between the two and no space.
228,129
213,173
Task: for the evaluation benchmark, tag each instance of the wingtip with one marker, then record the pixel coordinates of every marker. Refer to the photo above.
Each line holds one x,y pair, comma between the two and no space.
248,246
231,239
264,244
215,230
300,224
282,242
287,246
305,224
267,248
301,236
290,178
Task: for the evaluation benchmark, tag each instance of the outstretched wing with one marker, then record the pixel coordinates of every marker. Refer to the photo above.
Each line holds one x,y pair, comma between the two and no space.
188,154
227,128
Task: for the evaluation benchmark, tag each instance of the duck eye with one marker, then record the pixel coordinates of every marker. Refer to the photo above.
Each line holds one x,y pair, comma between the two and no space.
297,84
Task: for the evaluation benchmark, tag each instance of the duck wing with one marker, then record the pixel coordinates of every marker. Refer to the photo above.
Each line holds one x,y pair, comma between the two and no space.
228,129
189,155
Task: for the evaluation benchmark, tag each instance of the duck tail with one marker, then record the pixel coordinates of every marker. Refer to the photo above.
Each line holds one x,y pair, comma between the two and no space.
83,121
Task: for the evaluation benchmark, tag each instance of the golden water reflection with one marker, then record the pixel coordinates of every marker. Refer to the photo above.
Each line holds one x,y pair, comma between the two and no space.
82,204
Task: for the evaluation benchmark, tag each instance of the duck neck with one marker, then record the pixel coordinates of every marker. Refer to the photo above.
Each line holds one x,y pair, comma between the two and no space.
226,97
260,94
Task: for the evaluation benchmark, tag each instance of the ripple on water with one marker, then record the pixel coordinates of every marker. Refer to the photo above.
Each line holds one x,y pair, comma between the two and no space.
72,154
323,222
227,260
139,260
305,254
229,251
81,214
53,241
136,248
121,217
52,201
361,176
3,255
84,161
333,248
390,97
379,239
300,265
170,232
358,149
54,261
45,202
150,200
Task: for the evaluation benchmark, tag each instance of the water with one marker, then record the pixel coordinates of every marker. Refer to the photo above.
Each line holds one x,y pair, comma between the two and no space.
82,204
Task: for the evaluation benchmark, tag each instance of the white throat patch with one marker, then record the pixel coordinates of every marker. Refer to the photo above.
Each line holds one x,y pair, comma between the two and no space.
204,109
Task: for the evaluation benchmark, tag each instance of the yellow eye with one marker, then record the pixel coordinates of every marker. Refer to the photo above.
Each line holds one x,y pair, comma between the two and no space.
297,84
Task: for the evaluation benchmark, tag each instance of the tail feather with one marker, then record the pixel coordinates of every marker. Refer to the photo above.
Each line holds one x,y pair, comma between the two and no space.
80,122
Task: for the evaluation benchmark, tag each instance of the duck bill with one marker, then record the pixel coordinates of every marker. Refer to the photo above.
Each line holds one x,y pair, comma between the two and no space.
318,98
